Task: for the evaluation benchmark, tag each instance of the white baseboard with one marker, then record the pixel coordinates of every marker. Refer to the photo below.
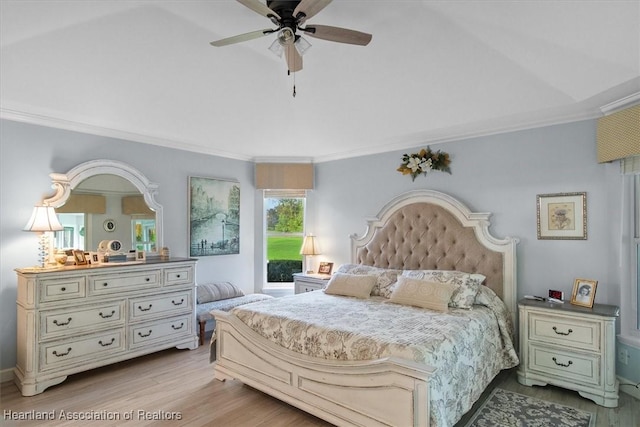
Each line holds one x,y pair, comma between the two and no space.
629,389
6,375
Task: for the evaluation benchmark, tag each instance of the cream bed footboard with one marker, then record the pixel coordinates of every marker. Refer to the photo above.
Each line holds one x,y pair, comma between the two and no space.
383,392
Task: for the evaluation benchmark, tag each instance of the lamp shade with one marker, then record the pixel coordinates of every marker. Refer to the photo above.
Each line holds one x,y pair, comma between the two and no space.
43,218
309,246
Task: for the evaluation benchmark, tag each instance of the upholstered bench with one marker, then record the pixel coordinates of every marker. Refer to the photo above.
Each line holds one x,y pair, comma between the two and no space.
220,296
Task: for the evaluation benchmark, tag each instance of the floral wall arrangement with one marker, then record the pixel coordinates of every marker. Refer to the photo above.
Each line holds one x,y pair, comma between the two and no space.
424,162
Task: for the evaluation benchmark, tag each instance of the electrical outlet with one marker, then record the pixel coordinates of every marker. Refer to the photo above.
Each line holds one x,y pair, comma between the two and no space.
623,356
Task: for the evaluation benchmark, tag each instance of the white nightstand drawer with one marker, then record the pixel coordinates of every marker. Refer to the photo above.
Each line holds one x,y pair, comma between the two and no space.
577,367
564,331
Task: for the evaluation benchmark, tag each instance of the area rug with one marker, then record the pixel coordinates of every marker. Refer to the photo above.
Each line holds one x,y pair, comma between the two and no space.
506,408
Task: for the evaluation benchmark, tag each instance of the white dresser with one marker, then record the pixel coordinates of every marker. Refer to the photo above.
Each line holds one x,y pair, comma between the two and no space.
571,347
77,318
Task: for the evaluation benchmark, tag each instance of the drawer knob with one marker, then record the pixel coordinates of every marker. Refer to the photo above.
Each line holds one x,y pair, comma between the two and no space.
177,303
178,276
63,289
55,322
144,335
145,309
562,333
108,343
55,353
569,363
106,316
178,327
147,279
105,284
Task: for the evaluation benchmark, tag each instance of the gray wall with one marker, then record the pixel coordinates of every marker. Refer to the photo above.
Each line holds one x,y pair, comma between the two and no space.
501,174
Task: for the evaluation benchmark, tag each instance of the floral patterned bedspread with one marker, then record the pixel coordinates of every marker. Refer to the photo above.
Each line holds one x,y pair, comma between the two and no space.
469,347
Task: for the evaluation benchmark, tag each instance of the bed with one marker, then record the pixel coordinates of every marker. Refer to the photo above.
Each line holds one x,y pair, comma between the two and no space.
374,361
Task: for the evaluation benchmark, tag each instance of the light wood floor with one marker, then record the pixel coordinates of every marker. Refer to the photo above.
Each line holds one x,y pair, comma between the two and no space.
181,381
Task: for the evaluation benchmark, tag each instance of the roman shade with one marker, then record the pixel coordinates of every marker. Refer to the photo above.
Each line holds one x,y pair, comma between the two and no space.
135,205
619,135
284,176
84,203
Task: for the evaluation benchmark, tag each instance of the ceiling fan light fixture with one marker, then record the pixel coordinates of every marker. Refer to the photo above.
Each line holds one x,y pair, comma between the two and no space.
302,45
276,48
286,36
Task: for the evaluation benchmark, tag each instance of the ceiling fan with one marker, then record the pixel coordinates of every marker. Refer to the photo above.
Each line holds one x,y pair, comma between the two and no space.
290,16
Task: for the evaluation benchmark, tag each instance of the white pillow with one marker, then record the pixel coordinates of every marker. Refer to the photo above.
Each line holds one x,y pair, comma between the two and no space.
421,293
351,285
467,285
385,277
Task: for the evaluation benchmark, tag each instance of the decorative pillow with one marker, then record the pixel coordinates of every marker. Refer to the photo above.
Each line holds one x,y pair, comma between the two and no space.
420,293
208,292
385,277
351,285
467,285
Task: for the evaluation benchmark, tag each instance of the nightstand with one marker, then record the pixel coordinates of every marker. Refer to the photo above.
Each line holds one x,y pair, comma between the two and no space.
310,282
571,347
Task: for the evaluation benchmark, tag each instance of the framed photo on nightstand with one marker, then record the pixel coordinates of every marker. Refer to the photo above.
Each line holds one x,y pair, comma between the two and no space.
584,292
325,268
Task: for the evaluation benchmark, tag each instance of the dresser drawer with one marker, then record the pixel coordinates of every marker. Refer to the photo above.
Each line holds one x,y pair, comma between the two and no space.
143,279
56,323
160,305
178,275
564,331
61,289
555,362
158,331
73,351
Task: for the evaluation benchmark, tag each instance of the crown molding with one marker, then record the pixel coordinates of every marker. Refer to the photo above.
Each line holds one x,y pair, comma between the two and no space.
76,126
622,103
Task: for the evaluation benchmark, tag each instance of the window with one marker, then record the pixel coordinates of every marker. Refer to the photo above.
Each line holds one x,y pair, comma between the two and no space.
72,235
284,214
630,255
636,246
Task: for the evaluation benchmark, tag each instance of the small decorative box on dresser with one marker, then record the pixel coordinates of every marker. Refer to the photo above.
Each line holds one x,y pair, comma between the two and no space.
571,347
310,282
77,318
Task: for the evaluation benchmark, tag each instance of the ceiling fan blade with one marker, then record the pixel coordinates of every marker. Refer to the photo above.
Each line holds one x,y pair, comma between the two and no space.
242,37
310,8
259,7
294,59
337,34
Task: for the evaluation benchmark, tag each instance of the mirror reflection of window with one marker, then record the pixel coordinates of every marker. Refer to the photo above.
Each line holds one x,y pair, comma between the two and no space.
144,234
73,234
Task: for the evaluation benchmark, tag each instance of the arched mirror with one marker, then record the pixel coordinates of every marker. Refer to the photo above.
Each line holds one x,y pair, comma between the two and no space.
106,200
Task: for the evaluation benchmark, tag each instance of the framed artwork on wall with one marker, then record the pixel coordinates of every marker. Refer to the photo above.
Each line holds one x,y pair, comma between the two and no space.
562,216
214,217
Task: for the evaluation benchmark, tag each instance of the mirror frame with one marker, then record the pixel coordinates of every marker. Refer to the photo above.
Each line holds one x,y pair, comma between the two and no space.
64,183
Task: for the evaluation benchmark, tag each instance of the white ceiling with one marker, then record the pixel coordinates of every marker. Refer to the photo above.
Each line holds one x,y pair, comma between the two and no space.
434,71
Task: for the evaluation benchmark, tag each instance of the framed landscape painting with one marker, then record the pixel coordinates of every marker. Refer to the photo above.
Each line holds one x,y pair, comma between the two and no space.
214,217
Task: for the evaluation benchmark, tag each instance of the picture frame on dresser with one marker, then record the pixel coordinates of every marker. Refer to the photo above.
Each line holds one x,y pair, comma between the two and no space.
562,216
79,257
584,292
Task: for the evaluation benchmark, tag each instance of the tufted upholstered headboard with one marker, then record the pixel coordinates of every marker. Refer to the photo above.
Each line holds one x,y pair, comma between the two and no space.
429,230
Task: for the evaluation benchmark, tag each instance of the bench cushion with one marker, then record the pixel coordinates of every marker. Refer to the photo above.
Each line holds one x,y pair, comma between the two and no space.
207,292
203,311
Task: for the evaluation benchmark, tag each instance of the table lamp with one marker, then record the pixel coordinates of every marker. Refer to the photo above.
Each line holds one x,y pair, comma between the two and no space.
43,220
309,248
